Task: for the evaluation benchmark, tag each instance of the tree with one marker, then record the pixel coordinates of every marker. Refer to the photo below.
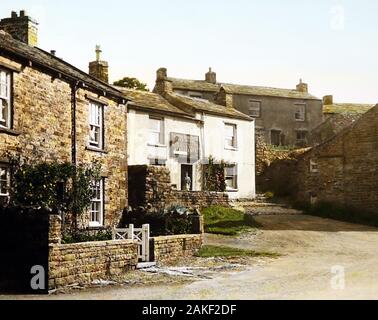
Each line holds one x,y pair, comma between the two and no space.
131,83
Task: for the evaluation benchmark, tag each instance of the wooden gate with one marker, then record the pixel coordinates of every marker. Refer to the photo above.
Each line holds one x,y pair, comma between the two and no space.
140,235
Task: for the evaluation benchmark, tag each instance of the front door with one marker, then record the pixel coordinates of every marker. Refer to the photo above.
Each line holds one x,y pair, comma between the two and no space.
186,177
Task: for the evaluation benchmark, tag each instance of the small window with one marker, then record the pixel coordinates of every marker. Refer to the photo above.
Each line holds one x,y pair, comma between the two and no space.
5,99
5,177
275,137
231,176
158,162
231,133
97,204
254,108
302,136
300,112
314,168
156,131
96,125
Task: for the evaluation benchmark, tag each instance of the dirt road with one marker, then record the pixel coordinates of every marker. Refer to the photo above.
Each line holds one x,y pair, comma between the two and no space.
310,248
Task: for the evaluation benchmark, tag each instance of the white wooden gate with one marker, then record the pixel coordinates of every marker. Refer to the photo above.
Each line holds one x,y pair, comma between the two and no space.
140,235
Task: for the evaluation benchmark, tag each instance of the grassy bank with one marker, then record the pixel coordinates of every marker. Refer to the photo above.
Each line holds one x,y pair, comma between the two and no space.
227,221
228,252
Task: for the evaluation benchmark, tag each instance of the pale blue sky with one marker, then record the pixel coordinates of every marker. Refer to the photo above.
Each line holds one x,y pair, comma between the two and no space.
331,44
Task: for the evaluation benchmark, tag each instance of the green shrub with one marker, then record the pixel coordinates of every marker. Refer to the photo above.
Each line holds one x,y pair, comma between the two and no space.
79,236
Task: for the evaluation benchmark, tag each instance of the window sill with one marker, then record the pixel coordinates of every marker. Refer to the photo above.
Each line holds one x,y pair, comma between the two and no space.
94,149
232,190
231,148
10,132
96,227
156,145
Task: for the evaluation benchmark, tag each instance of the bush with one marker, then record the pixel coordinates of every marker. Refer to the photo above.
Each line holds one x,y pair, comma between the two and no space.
175,220
79,236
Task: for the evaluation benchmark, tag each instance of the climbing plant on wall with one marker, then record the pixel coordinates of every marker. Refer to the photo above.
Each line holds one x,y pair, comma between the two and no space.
214,175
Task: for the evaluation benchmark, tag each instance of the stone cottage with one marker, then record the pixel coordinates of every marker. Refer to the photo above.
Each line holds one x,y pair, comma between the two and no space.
52,111
343,170
283,117
181,133
337,116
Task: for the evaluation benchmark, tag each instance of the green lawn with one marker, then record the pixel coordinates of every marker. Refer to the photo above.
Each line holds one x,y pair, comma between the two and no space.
228,252
227,221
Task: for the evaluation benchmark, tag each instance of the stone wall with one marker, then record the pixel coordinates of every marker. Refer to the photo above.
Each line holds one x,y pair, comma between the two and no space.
42,130
85,262
346,168
152,184
170,248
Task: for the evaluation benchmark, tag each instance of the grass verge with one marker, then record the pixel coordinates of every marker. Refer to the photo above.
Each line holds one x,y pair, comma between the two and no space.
228,252
227,221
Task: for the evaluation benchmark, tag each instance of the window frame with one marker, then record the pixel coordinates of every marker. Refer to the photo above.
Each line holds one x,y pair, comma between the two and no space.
233,178
300,112
8,180
234,138
100,112
8,123
279,132
161,133
314,166
101,201
251,101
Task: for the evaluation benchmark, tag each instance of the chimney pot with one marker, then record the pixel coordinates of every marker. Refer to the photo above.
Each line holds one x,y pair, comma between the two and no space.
53,52
302,87
22,28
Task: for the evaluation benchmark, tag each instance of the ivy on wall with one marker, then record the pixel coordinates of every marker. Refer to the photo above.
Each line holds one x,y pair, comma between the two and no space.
214,175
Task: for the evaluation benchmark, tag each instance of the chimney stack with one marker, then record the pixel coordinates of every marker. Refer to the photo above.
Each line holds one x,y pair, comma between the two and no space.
22,28
302,87
163,84
211,77
328,100
98,68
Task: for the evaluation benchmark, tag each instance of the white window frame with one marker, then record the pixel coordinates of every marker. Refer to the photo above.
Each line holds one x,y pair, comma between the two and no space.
314,166
5,121
252,109
300,112
6,181
97,206
231,142
233,178
161,132
96,124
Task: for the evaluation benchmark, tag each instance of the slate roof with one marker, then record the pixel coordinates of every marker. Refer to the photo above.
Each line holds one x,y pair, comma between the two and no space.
201,85
150,101
49,61
347,108
200,105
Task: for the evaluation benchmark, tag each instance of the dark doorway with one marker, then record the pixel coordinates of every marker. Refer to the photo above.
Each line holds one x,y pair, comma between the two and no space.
186,169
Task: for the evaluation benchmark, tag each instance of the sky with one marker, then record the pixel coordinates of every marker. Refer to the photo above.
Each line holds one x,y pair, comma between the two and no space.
331,44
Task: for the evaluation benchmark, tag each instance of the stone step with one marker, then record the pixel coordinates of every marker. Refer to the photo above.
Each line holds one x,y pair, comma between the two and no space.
145,265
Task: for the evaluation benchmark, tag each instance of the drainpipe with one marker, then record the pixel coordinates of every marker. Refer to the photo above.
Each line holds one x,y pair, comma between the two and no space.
74,88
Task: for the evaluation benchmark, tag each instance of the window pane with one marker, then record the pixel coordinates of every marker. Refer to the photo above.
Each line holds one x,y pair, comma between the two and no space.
155,125
4,181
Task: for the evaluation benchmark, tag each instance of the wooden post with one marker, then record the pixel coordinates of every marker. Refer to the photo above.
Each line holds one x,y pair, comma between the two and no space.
130,233
114,234
146,242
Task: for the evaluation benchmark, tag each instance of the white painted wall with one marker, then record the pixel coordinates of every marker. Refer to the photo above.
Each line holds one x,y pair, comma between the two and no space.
212,143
